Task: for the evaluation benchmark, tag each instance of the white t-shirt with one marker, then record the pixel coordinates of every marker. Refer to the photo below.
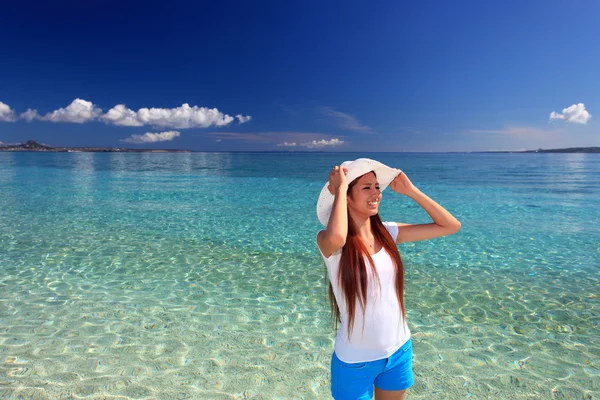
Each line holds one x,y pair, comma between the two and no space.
385,331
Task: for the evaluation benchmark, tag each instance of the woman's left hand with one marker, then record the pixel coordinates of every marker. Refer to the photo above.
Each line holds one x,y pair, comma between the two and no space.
402,185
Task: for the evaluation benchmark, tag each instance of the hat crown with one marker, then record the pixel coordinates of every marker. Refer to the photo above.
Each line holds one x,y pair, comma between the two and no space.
356,169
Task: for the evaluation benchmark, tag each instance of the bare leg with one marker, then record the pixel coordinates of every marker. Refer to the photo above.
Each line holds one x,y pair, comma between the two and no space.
389,394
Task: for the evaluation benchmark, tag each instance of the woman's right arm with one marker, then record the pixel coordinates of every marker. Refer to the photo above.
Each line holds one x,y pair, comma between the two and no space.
333,238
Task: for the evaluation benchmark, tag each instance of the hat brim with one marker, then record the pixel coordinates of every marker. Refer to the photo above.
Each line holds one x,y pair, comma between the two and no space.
356,169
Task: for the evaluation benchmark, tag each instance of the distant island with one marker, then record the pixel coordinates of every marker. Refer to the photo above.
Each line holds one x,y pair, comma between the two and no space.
567,150
32,145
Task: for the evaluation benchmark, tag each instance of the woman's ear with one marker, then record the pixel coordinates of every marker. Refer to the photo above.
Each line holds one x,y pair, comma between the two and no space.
349,194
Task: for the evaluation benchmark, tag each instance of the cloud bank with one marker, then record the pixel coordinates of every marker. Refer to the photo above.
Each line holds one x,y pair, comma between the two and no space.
575,113
29,115
180,117
314,144
121,116
6,113
152,137
307,140
81,111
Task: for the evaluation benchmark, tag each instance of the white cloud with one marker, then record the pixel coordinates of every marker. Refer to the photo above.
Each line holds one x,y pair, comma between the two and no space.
29,115
6,113
79,111
180,117
323,143
286,144
242,118
122,116
575,113
152,137
346,121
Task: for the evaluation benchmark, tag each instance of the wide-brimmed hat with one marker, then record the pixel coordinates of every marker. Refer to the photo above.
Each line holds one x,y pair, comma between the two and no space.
356,169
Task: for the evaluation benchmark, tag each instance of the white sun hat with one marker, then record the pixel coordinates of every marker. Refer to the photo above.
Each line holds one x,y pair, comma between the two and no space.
356,169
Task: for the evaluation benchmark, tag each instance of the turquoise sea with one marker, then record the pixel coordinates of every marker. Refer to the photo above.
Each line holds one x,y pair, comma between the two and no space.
174,276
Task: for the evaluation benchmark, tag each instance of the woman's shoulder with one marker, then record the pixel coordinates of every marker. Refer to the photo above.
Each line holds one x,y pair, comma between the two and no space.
333,257
392,228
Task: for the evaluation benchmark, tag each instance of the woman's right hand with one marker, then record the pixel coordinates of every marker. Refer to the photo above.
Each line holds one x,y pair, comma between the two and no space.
337,179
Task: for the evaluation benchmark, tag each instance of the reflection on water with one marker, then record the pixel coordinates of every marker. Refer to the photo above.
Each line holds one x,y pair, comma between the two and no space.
7,176
84,176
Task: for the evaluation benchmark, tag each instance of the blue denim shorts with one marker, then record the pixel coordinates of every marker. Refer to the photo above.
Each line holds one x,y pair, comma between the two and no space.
355,381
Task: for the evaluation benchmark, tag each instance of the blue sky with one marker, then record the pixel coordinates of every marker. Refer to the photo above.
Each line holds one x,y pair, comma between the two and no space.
310,75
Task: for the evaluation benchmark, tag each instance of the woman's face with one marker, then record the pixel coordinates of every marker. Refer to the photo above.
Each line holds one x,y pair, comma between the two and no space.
364,196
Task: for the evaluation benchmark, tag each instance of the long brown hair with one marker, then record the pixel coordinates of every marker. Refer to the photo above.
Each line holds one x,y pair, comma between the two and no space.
352,273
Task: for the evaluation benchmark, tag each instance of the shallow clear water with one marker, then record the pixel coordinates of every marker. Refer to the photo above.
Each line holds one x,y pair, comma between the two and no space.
197,276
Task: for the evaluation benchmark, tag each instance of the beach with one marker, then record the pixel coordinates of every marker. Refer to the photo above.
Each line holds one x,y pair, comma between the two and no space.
196,275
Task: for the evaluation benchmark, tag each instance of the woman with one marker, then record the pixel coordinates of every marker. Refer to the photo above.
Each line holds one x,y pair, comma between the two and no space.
373,350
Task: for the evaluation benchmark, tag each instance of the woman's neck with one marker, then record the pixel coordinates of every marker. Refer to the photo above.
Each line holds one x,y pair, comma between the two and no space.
363,227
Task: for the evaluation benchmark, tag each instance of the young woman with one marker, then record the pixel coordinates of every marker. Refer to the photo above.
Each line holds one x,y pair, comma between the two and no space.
373,350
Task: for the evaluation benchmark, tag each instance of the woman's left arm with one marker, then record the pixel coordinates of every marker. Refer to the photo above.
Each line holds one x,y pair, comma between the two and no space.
443,224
